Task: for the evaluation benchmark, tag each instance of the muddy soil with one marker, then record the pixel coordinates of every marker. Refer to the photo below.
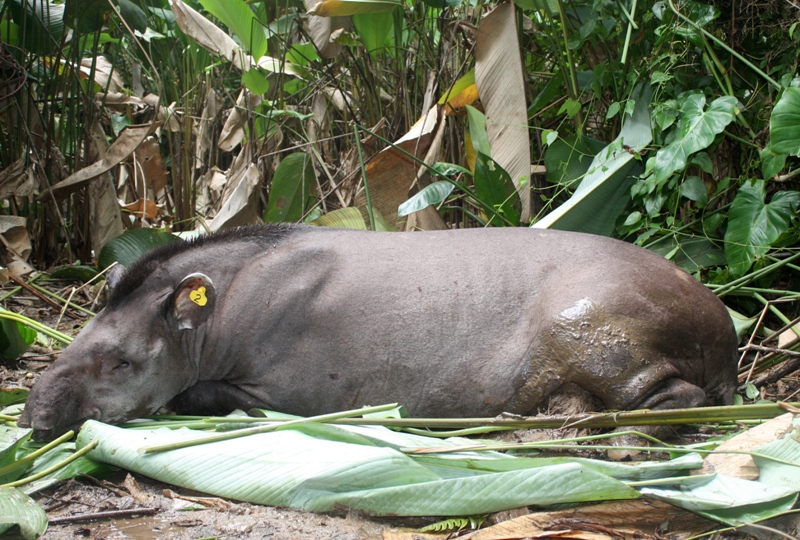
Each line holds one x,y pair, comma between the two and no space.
175,513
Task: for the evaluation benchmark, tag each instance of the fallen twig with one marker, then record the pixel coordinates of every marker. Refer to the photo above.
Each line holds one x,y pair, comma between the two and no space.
100,516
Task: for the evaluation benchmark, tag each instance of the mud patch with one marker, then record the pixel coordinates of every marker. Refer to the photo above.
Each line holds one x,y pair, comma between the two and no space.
182,515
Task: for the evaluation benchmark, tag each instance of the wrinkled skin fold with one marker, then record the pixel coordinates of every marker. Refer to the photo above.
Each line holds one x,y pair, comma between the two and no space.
465,323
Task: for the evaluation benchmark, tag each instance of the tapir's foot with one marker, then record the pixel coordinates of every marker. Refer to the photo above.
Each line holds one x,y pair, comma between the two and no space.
672,394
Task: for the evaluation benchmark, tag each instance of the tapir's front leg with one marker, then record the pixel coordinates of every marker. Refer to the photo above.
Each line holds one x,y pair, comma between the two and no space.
213,398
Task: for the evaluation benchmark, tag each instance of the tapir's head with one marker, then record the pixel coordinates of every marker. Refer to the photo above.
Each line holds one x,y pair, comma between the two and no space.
134,357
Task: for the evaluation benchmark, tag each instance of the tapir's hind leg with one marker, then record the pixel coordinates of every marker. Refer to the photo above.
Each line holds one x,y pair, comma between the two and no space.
673,393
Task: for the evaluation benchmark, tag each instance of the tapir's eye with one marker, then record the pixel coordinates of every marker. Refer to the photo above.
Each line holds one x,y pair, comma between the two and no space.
123,364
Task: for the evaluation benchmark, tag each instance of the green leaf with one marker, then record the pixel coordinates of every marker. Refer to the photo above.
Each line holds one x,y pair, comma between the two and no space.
126,248
14,339
351,218
772,163
18,509
238,16
696,131
292,468
694,189
343,218
133,15
432,194
784,123
477,131
376,30
568,159
290,187
42,25
605,190
496,191
786,449
255,81
691,253
74,272
754,225
726,499
86,16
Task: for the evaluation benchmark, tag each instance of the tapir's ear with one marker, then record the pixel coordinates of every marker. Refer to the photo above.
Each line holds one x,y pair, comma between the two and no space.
113,275
193,301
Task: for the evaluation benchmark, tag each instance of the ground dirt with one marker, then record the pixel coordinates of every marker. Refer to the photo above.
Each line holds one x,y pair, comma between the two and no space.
146,509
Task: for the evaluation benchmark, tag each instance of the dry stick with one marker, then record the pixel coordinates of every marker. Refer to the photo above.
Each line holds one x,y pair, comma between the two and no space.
100,516
42,297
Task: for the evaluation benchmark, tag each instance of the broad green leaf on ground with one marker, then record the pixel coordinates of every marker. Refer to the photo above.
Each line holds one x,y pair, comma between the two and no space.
341,8
787,448
289,468
754,225
10,440
79,467
696,131
496,191
567,160
432,194
726,499
604,191
320,467
784,123
237,15
17,509
291,184
126,248
500,79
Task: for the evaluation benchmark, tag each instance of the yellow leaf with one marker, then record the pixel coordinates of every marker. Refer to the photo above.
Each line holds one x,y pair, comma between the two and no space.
341,8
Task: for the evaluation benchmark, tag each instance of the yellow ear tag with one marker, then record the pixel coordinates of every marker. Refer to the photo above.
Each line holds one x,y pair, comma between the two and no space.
199,296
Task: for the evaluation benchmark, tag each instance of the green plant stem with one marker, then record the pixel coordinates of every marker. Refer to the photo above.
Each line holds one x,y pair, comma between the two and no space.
588,420
15,290
736,283
723,45
629,31
33,456
364,177
62,300
46,330
572,87
80,453
263,429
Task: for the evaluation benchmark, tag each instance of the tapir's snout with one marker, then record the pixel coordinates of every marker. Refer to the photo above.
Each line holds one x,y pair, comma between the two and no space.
52,408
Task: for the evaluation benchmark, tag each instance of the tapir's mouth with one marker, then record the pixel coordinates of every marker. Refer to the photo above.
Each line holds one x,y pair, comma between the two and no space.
43,434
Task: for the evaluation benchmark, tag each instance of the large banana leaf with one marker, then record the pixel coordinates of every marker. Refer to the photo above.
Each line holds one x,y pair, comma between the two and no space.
368,473
373,469
603,193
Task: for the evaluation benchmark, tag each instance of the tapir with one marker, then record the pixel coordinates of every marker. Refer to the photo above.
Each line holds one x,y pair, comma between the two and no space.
457,323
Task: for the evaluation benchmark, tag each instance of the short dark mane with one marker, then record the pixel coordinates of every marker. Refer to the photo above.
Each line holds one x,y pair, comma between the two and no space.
138,272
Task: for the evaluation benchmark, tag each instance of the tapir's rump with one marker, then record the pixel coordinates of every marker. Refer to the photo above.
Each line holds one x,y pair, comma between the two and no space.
449,323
